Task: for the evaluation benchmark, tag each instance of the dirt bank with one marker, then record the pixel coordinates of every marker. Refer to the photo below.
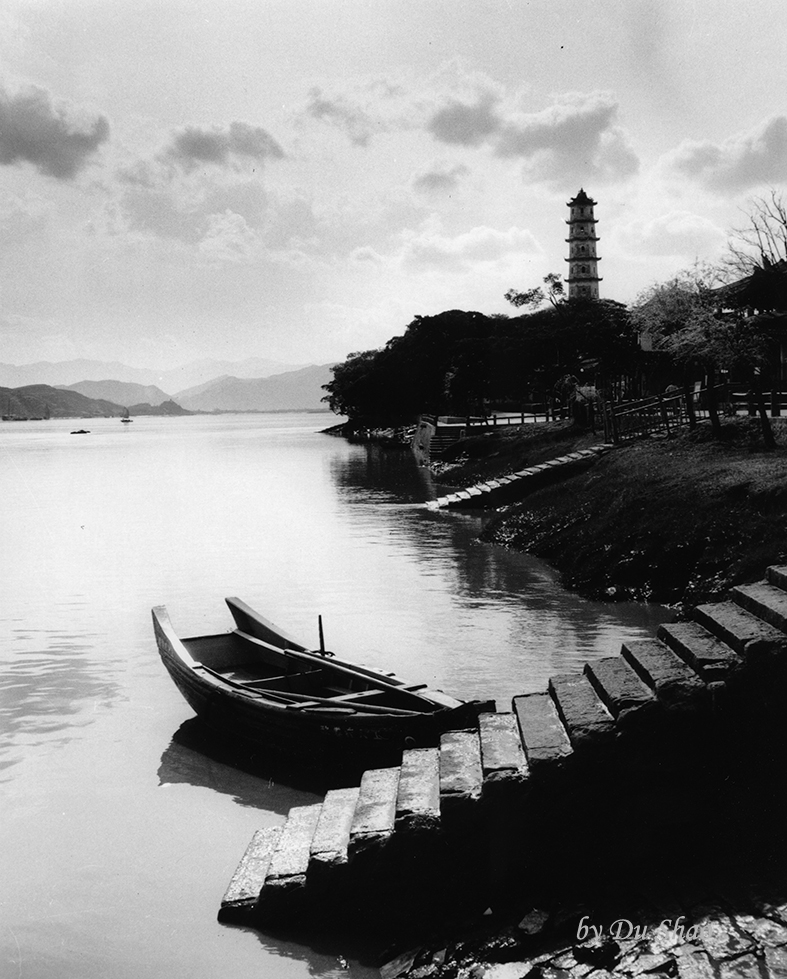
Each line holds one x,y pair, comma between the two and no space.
676,521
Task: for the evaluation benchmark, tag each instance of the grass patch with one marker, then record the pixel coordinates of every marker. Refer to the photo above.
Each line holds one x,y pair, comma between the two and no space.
675,520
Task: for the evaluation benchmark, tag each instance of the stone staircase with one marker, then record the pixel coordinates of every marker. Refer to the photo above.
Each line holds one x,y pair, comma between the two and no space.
504,489
523,799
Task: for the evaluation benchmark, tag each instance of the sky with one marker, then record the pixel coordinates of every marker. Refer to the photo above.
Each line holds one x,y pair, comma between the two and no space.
298,179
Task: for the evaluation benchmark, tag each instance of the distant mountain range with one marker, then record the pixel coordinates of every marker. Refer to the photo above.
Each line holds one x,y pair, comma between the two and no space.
119,392
293,390
43,400
67,372
299,390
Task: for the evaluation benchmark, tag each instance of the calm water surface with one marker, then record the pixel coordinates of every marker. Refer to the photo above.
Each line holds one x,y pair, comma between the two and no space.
118,834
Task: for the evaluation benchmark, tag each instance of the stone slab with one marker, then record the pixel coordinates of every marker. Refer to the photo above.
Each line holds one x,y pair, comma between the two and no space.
542,733
375,810
501,748
745,633
676,685
291,856
745,967
764,600
619,688
694,964
332,833
777,575
708,656
461,773
764,931
248,879
776,962
720,938
419,783
584,716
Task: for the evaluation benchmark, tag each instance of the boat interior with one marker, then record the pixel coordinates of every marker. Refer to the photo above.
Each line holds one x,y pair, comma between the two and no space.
304,679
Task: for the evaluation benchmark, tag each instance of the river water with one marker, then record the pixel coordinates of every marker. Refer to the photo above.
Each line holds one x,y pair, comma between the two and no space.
118,833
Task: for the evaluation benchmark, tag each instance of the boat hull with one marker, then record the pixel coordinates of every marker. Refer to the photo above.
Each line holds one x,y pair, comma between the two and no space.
338,740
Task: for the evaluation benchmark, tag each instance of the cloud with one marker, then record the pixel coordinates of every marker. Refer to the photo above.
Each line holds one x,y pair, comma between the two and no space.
576,138
429,248
55,139
366,255
439,179
356,123
229,239
467,125
742,161
192,147
158,212
679,233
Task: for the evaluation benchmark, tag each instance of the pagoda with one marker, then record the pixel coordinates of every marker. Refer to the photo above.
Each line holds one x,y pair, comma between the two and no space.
583,278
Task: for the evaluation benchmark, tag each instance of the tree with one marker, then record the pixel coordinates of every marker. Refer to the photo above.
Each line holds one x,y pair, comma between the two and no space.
679,317
533,298
762,240
682,318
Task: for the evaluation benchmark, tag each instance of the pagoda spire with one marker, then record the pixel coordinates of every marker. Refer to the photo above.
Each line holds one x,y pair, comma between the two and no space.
583,277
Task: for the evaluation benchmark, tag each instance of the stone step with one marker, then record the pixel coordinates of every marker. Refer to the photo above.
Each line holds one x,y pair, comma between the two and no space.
375,812
675,684
541,731
621,691
747,634
777,576
248,880
708,656
584,716
418,794
290,859
764,600
502,755
461,771
332,833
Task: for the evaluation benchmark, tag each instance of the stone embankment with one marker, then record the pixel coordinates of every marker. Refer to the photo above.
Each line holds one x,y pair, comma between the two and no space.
616,774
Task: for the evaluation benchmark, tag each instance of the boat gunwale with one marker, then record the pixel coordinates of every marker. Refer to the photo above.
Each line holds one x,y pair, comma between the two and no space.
274,699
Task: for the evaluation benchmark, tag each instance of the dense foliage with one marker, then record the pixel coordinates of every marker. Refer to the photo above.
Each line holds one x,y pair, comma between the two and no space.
685,319
465,362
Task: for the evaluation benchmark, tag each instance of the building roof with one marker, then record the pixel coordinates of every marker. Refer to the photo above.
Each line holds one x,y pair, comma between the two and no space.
765,288
581,198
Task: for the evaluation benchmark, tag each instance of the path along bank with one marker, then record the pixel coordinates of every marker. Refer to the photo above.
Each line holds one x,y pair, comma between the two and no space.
674,520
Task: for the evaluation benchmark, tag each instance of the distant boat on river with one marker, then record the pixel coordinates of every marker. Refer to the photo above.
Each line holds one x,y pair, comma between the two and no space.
260,686
125,419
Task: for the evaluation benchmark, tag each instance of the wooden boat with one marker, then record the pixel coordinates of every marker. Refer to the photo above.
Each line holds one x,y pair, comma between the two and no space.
258,685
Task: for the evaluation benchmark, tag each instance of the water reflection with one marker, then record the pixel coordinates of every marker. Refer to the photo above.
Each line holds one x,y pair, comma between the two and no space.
45,689
197,757
499,621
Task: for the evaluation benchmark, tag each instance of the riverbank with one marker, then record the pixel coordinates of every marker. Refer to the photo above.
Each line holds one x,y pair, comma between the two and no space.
674,521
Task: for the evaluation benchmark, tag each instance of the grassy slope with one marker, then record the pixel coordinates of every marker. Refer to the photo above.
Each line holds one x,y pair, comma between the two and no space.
671,520
507,450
